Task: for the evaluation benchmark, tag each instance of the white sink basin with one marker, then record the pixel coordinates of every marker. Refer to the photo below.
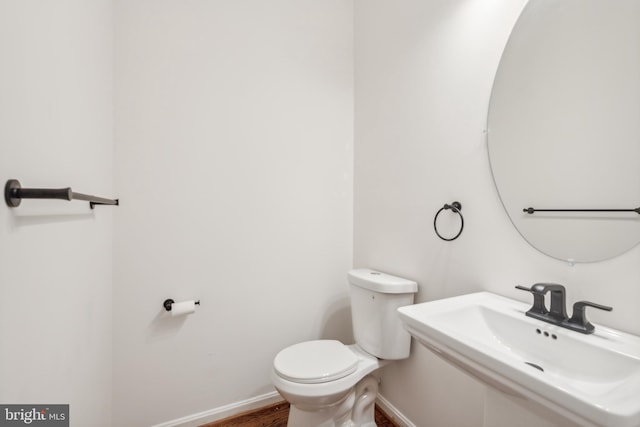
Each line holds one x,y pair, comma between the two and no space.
590,379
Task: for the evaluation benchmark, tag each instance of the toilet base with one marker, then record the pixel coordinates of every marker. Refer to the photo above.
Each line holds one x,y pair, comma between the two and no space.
356,409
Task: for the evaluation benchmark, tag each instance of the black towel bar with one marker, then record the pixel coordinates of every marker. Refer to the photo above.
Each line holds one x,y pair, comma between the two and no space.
14,193
533,210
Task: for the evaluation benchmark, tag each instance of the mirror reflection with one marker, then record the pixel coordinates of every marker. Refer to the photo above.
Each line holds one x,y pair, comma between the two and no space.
564,126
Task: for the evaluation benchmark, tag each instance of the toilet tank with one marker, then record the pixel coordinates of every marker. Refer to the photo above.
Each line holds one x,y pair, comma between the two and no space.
375,298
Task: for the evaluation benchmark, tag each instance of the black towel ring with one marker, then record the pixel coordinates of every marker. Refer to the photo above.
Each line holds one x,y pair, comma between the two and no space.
455,207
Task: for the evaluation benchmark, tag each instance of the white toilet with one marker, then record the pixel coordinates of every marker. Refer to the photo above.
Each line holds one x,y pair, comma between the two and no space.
330,384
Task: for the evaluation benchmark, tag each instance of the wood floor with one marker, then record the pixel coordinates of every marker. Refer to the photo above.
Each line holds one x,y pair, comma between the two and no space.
276,416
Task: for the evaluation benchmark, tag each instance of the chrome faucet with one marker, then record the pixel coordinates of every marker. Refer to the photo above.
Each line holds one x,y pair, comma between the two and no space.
557,314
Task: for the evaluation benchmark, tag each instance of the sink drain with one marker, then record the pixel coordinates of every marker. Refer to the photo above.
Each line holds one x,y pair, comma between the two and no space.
538,367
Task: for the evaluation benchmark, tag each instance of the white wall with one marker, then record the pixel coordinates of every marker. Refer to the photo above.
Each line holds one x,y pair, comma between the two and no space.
56,130
234,146
424,72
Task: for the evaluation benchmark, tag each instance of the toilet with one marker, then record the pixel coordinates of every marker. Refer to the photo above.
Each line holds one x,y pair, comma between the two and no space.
330,384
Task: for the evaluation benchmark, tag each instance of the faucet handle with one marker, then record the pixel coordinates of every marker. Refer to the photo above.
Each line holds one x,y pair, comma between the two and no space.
538,300
579,316
583,304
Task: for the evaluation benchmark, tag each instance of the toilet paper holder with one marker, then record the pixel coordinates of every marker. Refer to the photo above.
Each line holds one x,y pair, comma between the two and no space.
168,302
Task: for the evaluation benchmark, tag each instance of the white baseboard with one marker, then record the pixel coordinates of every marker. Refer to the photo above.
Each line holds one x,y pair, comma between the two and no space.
393,412
222,412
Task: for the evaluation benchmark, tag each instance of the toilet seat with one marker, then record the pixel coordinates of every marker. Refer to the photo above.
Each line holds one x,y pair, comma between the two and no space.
314,362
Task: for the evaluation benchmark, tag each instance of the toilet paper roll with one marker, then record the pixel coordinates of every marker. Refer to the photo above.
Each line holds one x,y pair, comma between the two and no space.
183,307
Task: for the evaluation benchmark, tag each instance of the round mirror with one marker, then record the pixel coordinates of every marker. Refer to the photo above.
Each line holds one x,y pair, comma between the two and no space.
564,127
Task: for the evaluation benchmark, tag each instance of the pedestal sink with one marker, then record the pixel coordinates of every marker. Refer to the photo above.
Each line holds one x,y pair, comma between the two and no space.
593,380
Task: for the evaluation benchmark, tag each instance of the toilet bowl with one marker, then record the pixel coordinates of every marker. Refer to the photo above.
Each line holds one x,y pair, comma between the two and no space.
330,384
325,380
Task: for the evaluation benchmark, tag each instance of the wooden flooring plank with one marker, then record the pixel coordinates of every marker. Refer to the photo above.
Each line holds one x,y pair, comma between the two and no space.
276,415
383,420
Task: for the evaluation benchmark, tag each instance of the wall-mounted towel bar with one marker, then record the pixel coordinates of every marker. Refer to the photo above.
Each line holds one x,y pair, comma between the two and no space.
532,210
14,193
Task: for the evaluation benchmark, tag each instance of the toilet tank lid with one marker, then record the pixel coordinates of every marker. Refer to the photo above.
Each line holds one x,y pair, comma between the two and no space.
381,282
